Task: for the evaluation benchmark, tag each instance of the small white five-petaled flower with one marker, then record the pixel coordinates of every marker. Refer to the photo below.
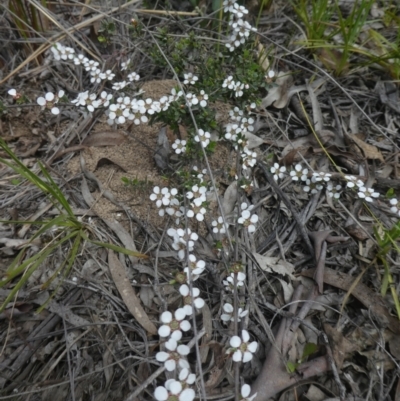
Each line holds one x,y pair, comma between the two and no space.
241,349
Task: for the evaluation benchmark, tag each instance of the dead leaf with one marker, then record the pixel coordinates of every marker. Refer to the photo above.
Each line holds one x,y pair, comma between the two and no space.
146,295
124,237
208,326
104,138
276,265
278,95
364,294
253,141
341,346
331,59
128,294
369,151
230,196
163,150
359,233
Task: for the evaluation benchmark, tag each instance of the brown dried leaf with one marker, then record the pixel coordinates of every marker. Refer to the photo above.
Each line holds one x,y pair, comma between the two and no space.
105,138
359,233
128,294
369,151
340,345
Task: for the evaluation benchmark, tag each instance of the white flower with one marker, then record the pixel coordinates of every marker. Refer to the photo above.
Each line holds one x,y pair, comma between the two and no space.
239,11
203,137
367,194
91,102
228,5
190,79
196,209
219,226
299,173
246,124
271,74
229,283
322,176
196,268
16,95
80,59
395,206
249,159
161,197
179,146
278,171
174,391
96,76
49,101
245,392
104,100
248,220
164,103
229,82
333,191
197,192
353,181
187,299
192,99
185,377
175,95
203,97
238,88
119,85
182,240
174,325
57,49
116,113
125,65
312,186
107,75
241,349
229,316
236,114
133,76
90,65
174,356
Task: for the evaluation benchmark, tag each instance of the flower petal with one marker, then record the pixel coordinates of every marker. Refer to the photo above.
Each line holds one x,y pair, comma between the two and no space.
237,356
247,356
170,365
162,356
161,394
245,391
235,342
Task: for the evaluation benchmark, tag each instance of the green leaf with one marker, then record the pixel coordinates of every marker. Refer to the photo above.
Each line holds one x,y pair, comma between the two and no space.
291,367
309,349
390,193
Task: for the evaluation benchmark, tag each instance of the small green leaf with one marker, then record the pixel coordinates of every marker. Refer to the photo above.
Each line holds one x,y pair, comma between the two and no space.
390,193
309,349
291,367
